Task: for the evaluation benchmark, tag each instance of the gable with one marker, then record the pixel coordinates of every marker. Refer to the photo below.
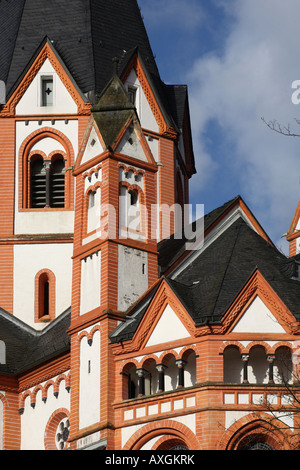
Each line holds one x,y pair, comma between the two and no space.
133,143
168,328
92,146
27,96
258,319
31,101
143,108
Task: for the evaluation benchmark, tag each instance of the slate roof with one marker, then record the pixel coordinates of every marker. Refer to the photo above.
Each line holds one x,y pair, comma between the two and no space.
87,35
170,250
212,281
26,347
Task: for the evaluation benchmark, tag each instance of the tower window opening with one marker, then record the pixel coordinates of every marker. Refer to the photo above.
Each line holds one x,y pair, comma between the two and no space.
132,95
44,296
47,182
57,183
38,183
133,198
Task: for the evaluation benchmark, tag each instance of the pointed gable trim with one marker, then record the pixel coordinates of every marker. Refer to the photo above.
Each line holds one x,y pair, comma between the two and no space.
293,232
257,286
163,297
166,125
46,51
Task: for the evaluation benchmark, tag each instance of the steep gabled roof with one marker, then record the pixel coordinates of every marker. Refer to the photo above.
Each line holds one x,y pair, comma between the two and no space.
212,281
26,347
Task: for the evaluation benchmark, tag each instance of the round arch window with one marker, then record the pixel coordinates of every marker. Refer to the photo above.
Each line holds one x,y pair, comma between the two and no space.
57,431
62,434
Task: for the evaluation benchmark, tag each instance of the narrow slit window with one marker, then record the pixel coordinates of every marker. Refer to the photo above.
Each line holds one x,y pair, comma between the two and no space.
132,95
44,296
47,91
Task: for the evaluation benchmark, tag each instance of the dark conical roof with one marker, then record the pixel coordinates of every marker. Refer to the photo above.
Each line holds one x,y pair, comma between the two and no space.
86,33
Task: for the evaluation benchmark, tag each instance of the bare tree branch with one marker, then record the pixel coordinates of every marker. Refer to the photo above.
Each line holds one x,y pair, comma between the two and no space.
275,126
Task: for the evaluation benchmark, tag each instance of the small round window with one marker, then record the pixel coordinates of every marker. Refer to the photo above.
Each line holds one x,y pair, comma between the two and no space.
62,434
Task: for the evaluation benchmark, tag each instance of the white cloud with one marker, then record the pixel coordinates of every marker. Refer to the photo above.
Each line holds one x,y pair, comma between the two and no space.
252,79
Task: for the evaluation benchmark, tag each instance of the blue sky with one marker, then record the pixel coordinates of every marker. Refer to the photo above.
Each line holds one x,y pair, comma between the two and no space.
239,59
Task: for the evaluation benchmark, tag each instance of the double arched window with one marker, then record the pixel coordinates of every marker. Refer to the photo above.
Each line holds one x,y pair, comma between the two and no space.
47,182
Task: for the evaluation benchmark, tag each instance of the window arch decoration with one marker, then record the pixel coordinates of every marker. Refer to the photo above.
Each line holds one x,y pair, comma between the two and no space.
92,203
46,181
57,430
44,310
26,153
170,428
261,427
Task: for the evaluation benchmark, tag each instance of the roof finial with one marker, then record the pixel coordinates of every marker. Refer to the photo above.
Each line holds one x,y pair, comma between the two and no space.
116,64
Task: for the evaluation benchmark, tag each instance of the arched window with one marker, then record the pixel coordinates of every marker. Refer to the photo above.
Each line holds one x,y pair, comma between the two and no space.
133,210
57,182
232,365
45,296
47,182
38,182
283,366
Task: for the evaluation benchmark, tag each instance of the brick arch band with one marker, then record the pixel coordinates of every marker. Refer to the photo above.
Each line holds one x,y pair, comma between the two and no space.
168,430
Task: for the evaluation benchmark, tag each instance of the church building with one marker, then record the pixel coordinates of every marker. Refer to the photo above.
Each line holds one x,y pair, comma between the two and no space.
123,325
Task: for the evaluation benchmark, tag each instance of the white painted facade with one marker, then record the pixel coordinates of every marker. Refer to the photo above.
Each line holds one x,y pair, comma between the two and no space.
53,221
89,379
258,319
168,328
90,295
35,419
31,101
29,259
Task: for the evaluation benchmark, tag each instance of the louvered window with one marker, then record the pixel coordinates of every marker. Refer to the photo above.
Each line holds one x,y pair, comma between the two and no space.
47,183
38,183
57,183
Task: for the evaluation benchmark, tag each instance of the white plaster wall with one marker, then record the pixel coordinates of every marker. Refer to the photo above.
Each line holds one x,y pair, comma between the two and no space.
132,147
168,328
94,212
90,282
34,420
258,319
28,261
132,275
143,108
42,222
89,392
93,148
154,146
30,102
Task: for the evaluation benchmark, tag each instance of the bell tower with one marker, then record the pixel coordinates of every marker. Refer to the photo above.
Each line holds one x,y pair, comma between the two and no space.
115,258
